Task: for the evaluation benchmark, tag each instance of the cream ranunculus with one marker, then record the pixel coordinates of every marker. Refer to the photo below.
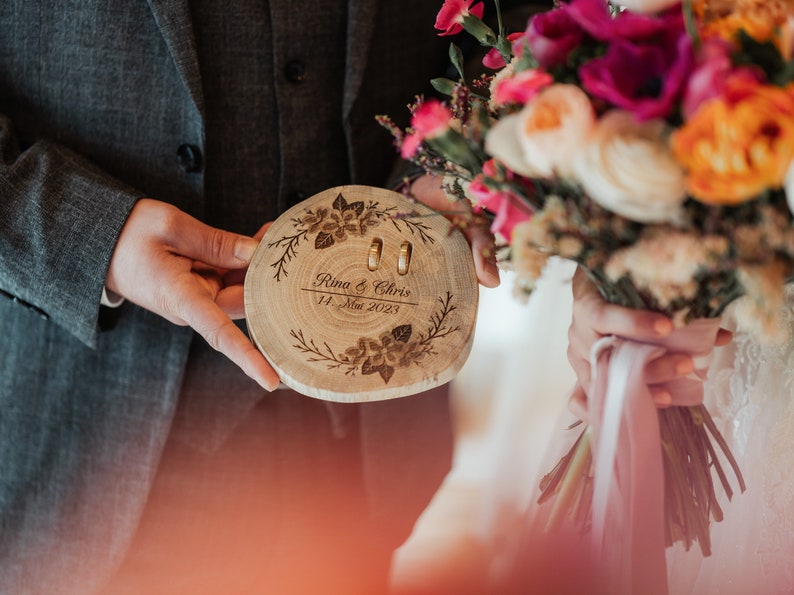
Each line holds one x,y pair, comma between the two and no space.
648,6
627,168
541,139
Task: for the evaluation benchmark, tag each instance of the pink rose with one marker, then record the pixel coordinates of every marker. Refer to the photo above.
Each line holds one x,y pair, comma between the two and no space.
708,78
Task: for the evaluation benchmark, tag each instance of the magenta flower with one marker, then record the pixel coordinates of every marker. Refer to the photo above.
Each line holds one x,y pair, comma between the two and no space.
594,17
450,18
552,35
646,79
431,119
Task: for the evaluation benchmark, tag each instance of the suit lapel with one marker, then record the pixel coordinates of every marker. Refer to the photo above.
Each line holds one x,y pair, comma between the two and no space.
360,26
176,26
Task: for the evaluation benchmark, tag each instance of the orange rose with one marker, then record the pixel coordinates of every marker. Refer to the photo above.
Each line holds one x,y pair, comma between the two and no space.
763,20
738,145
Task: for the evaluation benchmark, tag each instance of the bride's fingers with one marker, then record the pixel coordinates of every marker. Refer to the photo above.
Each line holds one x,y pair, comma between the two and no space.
579,345
590,310
661,396
578,402
668,367
724,336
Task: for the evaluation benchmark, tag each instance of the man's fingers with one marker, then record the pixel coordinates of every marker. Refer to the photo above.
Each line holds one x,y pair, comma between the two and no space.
429,191
484,254
215,247
223,335
231,300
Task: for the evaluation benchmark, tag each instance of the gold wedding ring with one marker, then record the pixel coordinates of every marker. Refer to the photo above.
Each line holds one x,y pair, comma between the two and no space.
375,250
404,259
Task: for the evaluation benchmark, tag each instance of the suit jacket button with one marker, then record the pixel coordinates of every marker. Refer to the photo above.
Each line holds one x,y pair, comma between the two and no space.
189,158
295,72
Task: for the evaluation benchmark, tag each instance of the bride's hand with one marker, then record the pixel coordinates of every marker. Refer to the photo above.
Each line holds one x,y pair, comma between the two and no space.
594,318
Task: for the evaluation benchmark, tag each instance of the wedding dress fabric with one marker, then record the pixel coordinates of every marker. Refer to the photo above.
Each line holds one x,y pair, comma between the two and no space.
750,394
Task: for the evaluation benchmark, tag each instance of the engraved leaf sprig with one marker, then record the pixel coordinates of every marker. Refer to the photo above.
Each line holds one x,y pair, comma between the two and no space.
290,245
437,327
334,224
415,226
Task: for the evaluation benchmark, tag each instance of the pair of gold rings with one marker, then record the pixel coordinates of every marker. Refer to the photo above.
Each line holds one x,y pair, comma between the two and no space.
403,258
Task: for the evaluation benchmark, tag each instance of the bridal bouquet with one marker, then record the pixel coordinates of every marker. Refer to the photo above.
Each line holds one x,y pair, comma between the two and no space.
652,142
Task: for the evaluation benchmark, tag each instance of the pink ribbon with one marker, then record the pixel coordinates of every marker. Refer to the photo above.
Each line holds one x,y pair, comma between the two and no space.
628,485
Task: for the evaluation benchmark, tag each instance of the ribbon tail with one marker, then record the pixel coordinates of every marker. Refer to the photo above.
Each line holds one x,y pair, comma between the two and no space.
628,484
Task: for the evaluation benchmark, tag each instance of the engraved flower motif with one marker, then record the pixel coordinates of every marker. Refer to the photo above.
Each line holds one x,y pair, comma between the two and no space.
393,349
314,219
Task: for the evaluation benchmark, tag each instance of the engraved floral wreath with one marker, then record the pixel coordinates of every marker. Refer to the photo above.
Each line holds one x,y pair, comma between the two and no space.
334,224
397,348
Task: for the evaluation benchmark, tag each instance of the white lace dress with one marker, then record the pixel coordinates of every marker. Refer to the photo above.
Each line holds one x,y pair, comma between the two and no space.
750,394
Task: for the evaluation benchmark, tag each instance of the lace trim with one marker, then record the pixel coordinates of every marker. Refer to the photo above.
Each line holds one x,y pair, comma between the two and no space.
750,393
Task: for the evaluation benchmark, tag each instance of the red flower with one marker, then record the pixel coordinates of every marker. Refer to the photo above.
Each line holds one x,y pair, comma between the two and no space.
431,119
450,18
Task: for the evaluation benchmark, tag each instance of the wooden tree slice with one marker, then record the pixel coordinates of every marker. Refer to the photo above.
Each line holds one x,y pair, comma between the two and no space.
359,294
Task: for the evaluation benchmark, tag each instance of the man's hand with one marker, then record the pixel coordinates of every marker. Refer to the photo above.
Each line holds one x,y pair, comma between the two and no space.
189,273
428,190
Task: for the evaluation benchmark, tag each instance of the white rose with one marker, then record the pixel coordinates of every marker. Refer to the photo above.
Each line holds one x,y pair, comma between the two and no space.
648,6
627,168
541,139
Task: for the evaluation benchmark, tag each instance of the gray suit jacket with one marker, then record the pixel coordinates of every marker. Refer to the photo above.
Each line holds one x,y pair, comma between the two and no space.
96,97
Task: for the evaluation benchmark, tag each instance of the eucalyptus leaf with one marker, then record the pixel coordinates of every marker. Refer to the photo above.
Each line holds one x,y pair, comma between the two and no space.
456,57
443,85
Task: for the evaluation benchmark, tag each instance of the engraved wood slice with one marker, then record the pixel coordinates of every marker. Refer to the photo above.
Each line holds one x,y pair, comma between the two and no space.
359,294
